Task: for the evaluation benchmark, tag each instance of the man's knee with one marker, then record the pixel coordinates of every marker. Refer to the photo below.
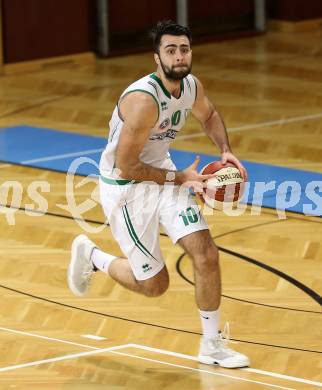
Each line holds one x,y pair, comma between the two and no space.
157,285
155,290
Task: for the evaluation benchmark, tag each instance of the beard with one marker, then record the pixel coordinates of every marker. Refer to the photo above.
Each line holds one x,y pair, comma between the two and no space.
175,73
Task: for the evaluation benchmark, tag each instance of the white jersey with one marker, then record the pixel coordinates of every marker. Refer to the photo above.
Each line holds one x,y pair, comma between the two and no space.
171,118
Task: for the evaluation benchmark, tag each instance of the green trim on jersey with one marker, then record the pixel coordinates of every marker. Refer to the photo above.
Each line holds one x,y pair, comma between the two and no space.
138,90
155,87
165,91
196,88
119,182
188,83
181,88
159,81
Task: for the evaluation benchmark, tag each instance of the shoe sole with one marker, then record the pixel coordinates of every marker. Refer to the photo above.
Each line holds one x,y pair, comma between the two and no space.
210,361
79,239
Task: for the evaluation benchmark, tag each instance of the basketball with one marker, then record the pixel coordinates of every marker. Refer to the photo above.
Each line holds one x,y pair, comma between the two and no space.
225,189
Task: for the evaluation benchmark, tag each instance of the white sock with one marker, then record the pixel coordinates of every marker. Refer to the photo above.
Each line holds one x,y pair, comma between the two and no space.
102,260
209,323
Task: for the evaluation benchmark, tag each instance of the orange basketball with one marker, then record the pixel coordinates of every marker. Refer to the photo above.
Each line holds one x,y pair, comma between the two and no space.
226,188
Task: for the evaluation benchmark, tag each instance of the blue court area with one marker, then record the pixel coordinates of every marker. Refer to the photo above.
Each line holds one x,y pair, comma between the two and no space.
270,186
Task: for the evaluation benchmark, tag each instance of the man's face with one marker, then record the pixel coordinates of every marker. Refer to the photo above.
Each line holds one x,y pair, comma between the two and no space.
175,56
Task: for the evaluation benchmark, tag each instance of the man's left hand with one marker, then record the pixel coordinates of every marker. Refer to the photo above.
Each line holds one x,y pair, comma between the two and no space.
229,157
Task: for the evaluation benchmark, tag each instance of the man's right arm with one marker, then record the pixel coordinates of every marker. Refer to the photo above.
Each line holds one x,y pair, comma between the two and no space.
139,113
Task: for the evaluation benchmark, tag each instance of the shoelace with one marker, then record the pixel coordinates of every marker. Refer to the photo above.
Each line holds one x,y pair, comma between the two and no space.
88,271
87,274
225,335
223,339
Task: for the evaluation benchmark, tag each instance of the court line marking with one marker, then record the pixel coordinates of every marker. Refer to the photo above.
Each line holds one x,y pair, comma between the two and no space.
61,156
93,337
257,125
60,358
161,351
202,370
113,351
47,338
254,370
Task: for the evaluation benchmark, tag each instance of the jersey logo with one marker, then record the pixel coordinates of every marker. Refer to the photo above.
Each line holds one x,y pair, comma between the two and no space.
165,124
164,106
166,134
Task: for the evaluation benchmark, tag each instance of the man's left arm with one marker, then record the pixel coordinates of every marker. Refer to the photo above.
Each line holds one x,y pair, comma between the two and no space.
214,126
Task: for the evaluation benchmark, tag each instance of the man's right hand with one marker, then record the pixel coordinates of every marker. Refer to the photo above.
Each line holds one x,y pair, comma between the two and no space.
190,177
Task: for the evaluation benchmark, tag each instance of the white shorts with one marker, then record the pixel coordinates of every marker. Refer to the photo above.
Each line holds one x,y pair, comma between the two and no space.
135,211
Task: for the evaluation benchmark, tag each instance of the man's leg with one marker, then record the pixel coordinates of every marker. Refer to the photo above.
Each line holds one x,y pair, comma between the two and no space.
121,272
132,212
182,220
86,259
204,254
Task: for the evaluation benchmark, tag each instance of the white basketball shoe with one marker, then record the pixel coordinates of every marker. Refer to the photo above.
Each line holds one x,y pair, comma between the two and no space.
215,351
81,268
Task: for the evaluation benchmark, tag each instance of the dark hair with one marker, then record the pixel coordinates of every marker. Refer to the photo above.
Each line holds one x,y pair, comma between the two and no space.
168,27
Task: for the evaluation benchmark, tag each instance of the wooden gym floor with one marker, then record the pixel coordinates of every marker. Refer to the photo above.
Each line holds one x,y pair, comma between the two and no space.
268,88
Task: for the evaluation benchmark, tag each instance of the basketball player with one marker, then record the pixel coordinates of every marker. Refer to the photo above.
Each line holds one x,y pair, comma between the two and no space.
148,116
